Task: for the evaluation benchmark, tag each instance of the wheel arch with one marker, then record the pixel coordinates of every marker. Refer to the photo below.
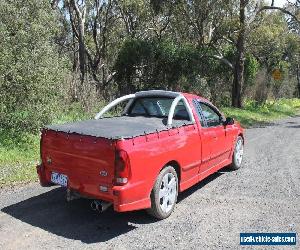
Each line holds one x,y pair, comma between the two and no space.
242,135
155,209
176,166
173,163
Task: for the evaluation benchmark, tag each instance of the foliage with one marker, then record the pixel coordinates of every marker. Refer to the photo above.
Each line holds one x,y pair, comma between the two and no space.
163,64
30,67
251,69
19,154
254,114
273,46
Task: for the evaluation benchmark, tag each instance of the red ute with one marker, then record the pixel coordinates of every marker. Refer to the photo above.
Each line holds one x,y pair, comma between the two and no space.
163,143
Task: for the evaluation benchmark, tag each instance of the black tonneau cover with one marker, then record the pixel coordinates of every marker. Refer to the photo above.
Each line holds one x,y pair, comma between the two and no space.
120,127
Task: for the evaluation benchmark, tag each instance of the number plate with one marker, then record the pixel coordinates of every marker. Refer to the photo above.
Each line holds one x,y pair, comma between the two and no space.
59,179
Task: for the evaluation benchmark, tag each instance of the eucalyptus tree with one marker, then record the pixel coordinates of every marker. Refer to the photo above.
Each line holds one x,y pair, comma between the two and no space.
92,23
218,29
247,15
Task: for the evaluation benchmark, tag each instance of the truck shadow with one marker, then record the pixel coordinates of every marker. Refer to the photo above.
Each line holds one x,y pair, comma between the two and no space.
200,185
75,220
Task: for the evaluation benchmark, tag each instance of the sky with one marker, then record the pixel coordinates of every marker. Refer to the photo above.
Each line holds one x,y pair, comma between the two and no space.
280,3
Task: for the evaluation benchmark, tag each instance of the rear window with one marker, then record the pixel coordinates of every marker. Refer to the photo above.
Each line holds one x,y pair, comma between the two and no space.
157,107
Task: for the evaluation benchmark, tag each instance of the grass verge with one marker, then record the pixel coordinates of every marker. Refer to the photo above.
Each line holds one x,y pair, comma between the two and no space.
253,114
18,157
20,154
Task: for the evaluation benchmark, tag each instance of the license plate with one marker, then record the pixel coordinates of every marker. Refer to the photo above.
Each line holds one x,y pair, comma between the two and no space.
59,179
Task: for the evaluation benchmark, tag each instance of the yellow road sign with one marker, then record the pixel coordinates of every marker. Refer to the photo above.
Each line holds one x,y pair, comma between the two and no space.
276,74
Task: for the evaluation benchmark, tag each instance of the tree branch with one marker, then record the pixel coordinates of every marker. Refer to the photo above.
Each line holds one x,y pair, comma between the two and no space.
224,60
79,14
278,8
73,24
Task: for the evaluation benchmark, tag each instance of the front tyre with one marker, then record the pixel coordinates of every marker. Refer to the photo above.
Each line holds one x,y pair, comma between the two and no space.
237,157
164,193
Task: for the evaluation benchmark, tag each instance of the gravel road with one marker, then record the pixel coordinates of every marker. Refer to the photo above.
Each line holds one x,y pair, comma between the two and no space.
263,196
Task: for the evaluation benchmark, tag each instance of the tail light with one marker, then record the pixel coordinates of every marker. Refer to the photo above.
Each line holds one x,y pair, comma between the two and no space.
41,146
122,167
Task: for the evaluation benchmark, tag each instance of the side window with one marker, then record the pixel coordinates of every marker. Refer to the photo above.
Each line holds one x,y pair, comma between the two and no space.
211,116
199,114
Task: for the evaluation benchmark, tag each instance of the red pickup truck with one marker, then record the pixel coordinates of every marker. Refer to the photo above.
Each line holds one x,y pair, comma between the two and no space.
163,143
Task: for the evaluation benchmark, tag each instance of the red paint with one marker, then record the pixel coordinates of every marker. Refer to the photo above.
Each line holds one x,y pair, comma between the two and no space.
197,151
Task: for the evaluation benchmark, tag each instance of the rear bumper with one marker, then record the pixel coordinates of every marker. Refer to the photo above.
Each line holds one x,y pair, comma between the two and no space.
42,176
124,198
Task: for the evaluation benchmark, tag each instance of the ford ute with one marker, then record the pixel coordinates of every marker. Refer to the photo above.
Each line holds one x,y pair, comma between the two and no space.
163,143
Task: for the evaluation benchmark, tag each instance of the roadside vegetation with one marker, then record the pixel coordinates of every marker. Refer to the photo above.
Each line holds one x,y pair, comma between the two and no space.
254,114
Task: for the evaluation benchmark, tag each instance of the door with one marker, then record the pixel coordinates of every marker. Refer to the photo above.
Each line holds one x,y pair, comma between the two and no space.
214,133
205,137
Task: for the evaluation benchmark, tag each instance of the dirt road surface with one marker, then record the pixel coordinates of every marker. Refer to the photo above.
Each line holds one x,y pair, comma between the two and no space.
263,196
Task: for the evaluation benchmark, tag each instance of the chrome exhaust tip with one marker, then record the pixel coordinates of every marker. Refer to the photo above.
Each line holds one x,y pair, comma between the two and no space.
103,206
100,206
94,205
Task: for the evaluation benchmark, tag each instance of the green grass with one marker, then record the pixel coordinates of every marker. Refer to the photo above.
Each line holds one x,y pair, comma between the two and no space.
253,114
18,157
20,154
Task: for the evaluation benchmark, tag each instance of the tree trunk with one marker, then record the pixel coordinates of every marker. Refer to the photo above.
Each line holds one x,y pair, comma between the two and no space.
81,50
298,79
238,80
78,29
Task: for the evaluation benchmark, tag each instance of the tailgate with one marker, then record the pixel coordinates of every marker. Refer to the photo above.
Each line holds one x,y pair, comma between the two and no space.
87,161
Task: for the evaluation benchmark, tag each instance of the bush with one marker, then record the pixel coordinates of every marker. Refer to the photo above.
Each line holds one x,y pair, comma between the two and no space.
162,64
30,68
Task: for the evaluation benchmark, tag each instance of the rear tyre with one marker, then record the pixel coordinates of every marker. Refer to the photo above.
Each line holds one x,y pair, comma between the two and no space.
237,157
164,194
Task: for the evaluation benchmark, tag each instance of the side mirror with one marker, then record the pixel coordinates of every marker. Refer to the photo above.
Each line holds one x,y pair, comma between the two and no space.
229,121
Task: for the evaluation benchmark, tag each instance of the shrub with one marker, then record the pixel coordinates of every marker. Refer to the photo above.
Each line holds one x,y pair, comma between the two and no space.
30,68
